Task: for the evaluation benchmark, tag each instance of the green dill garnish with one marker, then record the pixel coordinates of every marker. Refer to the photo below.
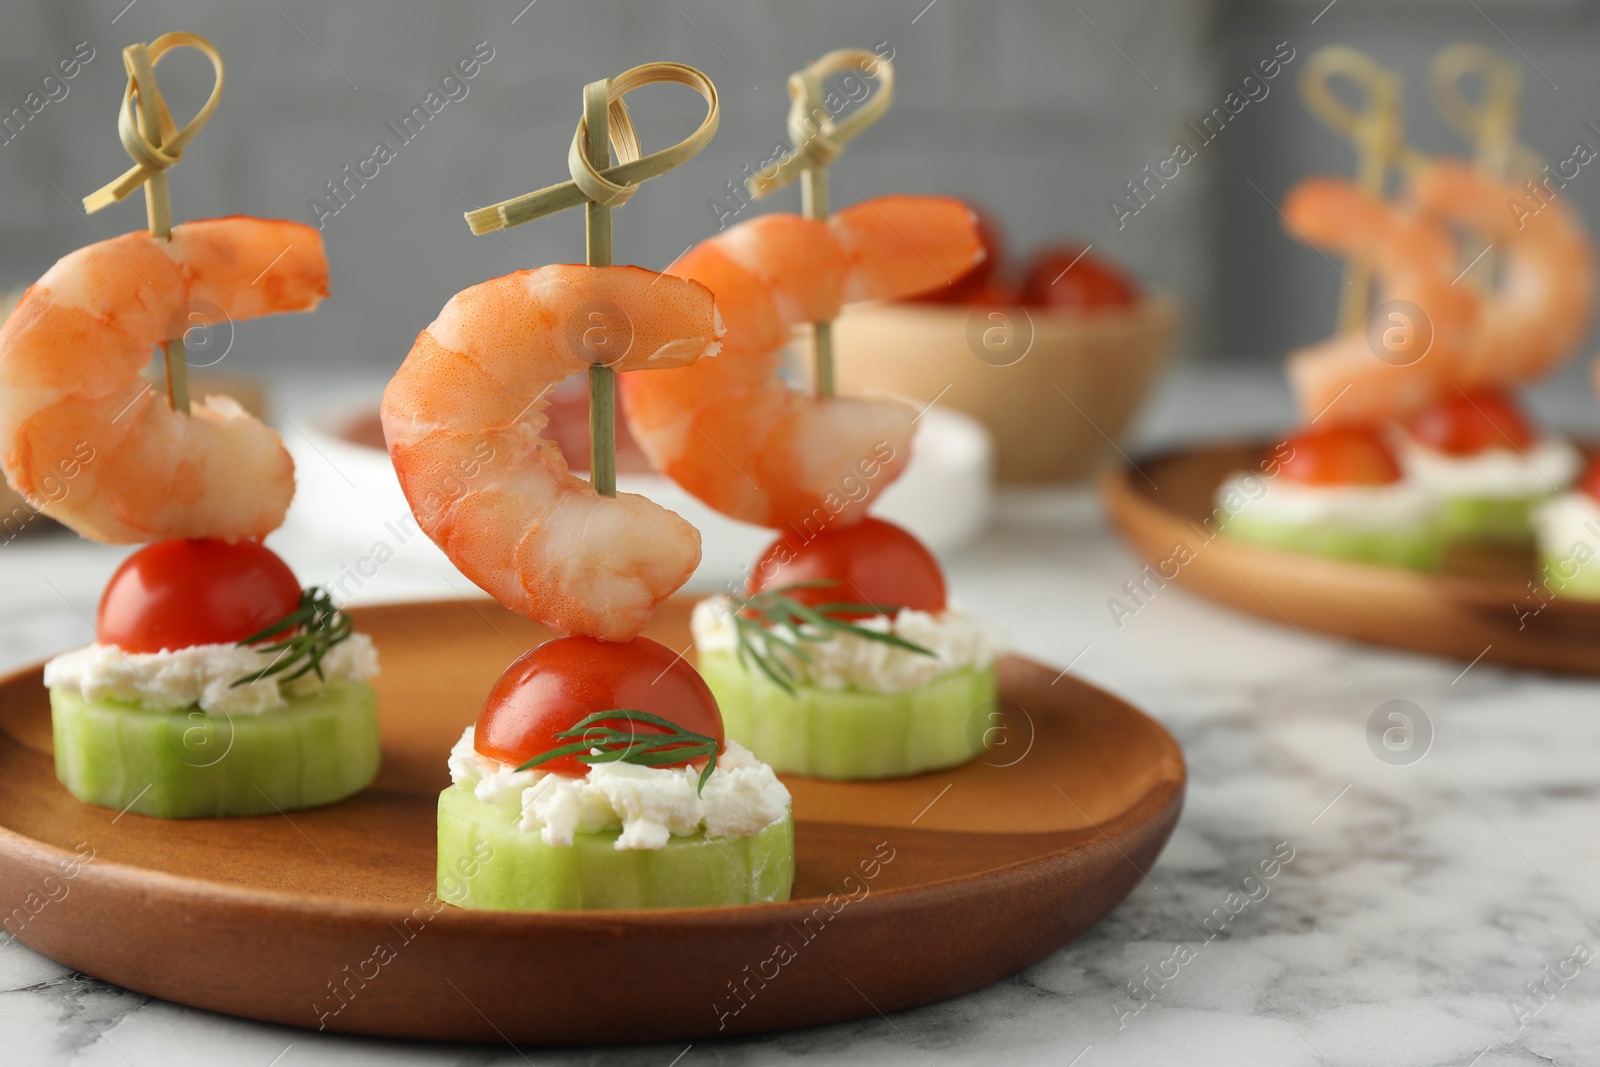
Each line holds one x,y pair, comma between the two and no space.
303,637
590,741
781,655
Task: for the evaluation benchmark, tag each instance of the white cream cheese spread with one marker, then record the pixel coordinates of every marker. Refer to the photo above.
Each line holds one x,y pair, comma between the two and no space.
650,805
202,674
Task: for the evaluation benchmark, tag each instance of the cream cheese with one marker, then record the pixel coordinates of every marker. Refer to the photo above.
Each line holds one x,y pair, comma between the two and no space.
202,674
1568,528
1547,466
650,805
1399,505
846,661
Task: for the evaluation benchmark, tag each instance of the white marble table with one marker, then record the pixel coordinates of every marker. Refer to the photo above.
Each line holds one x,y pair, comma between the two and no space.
1420,902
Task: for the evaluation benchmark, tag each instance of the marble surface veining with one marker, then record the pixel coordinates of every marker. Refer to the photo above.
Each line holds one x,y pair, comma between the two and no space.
1412,903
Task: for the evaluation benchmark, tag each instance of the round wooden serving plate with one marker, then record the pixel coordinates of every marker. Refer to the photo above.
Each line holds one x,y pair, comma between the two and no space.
1482,605
906,892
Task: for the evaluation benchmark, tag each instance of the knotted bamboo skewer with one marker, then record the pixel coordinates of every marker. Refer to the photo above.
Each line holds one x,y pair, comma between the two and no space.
595,183
818,140
155,144
1378,134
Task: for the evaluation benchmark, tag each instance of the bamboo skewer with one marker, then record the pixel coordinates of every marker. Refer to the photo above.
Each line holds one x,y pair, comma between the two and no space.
606,125
817,141
155,143
1377,133
597,234
1489,126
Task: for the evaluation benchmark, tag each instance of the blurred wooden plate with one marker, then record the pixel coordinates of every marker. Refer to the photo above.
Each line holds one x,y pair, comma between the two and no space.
327,916
1480,605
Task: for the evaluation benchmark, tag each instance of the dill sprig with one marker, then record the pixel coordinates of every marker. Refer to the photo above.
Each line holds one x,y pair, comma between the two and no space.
303,636
781,654
591,740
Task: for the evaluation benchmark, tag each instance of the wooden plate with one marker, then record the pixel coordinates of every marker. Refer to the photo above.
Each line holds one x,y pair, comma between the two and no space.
326,918
1486,604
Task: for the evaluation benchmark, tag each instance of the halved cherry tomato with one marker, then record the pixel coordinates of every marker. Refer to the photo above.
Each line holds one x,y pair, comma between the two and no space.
1063,276
1339,455
871,562
971,287
565,680
1464,423
182,593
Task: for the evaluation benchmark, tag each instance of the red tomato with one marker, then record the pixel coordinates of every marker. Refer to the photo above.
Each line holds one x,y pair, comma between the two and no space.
1589,481
871,562
970,287
1340,455
181,593
1058,278
565,680
1466,423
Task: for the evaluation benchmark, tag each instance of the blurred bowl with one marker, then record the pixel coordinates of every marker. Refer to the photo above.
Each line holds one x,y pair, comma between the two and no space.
1055,388
346,490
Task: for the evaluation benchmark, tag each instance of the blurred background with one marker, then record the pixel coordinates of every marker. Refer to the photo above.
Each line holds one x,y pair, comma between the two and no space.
1041,110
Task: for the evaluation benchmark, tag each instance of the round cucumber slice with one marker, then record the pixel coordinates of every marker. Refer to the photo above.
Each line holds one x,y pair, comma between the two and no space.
1562,574
487,861
1499,520
852,734
1417,547
185,763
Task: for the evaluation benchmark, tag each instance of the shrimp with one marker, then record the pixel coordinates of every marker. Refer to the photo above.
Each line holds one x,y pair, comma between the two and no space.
462,418
731,430
1540,308
1343,377
88,440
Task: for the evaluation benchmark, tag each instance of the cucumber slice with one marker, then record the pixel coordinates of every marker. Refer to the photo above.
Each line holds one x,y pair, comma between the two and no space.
1416,547
1500,520
852,734
1566,576
184,763
487,861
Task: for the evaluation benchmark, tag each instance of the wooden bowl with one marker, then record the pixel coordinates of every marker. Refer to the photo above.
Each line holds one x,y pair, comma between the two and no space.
905,892
1054,388
1485,605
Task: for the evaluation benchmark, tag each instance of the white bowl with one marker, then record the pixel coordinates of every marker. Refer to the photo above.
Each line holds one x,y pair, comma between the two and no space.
347,494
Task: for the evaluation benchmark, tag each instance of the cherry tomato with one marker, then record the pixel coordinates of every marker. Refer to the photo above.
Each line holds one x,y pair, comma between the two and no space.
182,593
1589,481
1466,423
1063,276
871,562
970,288
567,679
1339,455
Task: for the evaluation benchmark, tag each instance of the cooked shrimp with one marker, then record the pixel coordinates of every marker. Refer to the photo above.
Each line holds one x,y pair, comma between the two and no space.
731,430
88,439
463,415
1539,309
1342,378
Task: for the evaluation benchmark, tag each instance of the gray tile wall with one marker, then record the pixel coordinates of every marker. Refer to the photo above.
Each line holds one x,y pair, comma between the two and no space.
1039,109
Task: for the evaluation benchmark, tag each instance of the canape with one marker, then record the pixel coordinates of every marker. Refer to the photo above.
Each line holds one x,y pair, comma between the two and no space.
1481,455
598,776
1568,537
1336,491
216,686
844,659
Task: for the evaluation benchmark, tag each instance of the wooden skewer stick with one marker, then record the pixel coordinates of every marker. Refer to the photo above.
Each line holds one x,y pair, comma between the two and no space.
1377,133
1489,125
597,233
155,143
817,141
606,124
